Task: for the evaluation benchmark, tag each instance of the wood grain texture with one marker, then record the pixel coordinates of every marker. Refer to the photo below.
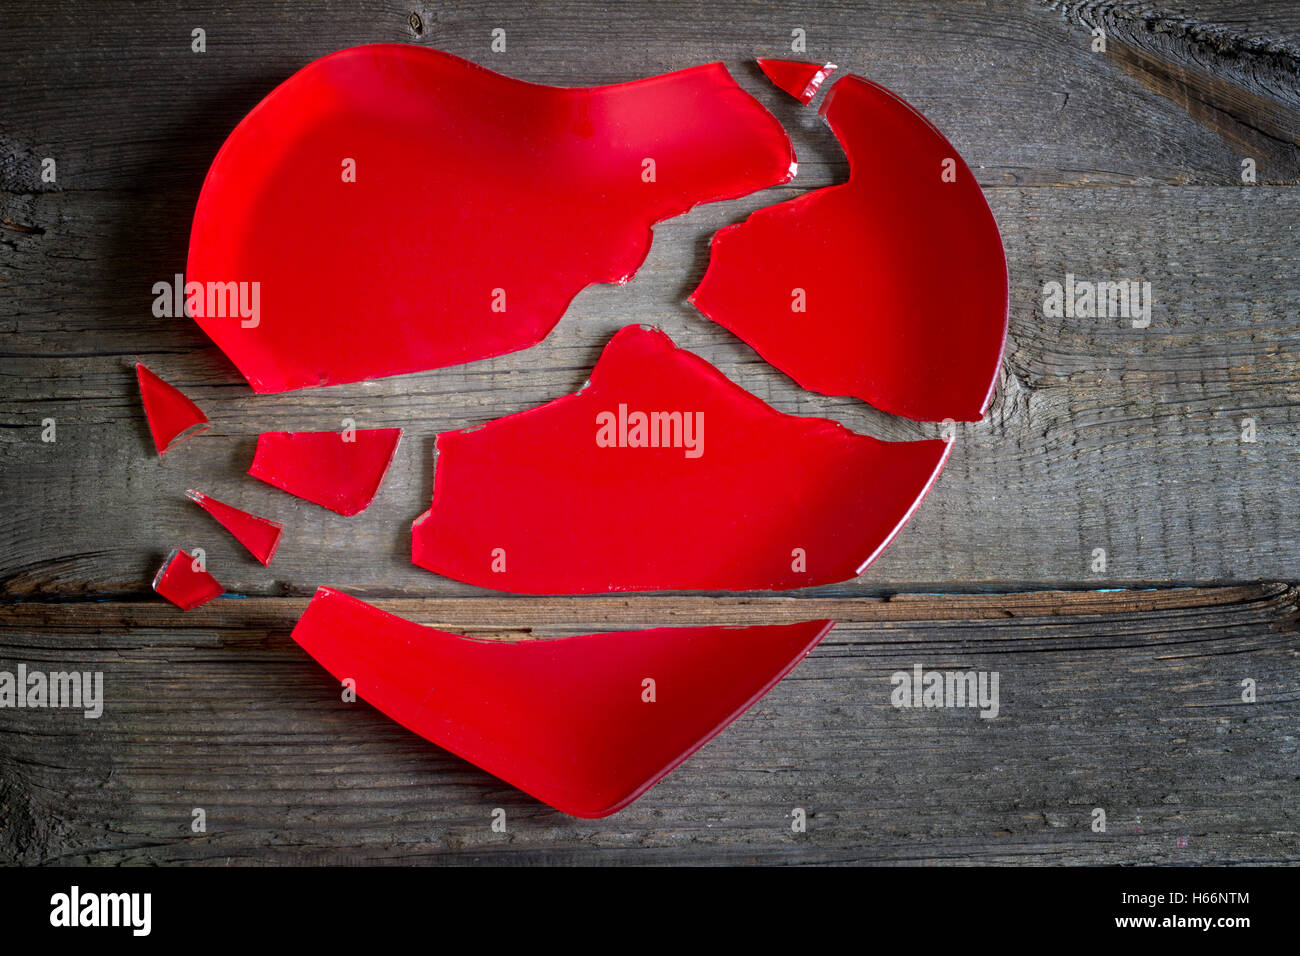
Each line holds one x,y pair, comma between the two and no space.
1122,164
1101,435
1125,701
125,104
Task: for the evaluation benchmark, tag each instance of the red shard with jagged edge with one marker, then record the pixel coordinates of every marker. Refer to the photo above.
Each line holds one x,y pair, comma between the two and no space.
339,470
891,287
661,473
801,80
392,208
172,417
261,536
182,584
586,724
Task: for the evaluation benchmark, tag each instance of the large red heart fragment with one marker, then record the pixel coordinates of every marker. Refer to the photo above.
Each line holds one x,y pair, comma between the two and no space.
891,287
586,724
391,208
663,474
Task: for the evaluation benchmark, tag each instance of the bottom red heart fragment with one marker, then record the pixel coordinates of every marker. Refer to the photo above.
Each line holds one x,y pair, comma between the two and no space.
586,724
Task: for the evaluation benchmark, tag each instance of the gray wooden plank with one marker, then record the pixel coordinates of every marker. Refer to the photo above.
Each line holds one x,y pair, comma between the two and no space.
126,104
1128,701
1260,27
1102,435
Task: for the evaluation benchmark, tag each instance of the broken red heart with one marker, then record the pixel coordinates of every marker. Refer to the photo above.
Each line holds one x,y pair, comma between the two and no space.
586,724
391,209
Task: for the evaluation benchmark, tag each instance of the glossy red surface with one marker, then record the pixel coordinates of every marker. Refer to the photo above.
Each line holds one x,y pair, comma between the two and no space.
172,416
900,274
340,470
480,206
261,536
179,582
564,720
533,503
801,80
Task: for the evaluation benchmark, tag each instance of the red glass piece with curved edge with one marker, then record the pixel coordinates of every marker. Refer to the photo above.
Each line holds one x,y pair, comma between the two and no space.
584,494
801,80
340,470
261,536
566,720
403,209
172,417
891,287
179,582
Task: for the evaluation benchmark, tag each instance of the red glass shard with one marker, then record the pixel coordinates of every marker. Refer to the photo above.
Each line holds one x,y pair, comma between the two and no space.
340,471
801,80
261,536
172,416
402,209
586,724
662,474
891,287
179,582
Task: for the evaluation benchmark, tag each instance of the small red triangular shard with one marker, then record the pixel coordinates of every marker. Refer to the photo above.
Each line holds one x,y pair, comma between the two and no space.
261,536
179,582
801,80
340,471
172,416
586,724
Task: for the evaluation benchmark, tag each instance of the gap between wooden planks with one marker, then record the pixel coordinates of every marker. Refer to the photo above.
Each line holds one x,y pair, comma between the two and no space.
520,618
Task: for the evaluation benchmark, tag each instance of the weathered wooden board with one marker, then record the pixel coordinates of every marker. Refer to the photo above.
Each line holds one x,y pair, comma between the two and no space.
1127,701
1108,165
1102,435
126,104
